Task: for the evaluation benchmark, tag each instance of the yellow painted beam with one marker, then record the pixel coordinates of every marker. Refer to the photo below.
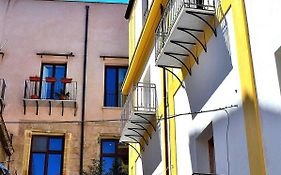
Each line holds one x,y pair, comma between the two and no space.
249,95
144,47
172,129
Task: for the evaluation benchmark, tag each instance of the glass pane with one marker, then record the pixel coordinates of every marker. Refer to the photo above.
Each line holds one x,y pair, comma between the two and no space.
121,76
39,143
47,71
37,164
107,164
54,164
59,87
46,87
108,146
111,89
56,144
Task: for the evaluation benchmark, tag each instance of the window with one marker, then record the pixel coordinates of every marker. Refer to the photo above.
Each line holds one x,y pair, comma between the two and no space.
212,162
46,155
205,151
114,157
114,77
50,89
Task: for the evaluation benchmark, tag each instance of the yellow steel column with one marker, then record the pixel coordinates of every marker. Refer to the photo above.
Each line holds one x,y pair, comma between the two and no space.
172,127
249,95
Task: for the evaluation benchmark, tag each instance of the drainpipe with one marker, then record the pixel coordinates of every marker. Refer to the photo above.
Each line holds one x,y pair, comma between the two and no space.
84,90
167,170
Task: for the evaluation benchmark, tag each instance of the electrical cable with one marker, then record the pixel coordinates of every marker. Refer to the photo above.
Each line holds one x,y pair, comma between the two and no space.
203,111
120,120
115,120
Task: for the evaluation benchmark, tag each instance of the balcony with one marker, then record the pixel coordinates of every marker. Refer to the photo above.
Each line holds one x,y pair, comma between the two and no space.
4,134
181,31
2,94
50,93
6,140
139,114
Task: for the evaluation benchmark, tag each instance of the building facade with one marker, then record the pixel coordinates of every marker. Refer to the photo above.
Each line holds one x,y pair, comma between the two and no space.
204,87
63,64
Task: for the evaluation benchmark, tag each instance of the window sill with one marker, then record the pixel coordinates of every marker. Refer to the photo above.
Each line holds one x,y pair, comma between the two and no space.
112,107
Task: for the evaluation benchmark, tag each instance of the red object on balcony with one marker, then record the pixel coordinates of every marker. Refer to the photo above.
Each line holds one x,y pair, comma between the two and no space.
66,80
34,97
34,78
50,79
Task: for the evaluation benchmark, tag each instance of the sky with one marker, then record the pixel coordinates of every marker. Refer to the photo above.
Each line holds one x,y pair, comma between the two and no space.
115,1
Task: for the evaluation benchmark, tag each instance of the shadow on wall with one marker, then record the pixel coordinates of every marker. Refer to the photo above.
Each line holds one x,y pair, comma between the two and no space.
151,158
229,134
271,129
229,138
213,68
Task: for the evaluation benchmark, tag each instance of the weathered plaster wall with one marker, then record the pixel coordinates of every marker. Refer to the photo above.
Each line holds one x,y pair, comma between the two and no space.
28,27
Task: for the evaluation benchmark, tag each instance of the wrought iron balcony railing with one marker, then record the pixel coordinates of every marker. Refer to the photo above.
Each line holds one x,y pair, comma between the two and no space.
50,93
140,101
6,139
2,88
50,90
2,94
171,14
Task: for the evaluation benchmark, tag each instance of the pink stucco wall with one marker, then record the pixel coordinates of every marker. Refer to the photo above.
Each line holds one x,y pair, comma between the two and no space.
28,27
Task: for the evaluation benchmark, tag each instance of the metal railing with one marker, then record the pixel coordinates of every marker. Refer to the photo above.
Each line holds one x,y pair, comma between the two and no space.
6,137
3,129
50,90
2,89
170,15
142,98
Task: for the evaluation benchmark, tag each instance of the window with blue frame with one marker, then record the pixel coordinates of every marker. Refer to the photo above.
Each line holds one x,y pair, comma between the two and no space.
114,157
114,77
46,155
50,89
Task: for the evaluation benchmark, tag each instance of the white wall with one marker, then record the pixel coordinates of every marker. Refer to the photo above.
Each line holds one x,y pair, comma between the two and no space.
154,74
214,84
152,155
265,33
138,20
139,170
183,126
150,161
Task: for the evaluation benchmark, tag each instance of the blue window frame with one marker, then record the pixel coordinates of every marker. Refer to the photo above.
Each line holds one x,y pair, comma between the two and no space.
50,89
46,155
114,77
113,156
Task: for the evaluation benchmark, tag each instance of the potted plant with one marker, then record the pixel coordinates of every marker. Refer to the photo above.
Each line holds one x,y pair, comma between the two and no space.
34,78
50,79
34,96
66,80
62,95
